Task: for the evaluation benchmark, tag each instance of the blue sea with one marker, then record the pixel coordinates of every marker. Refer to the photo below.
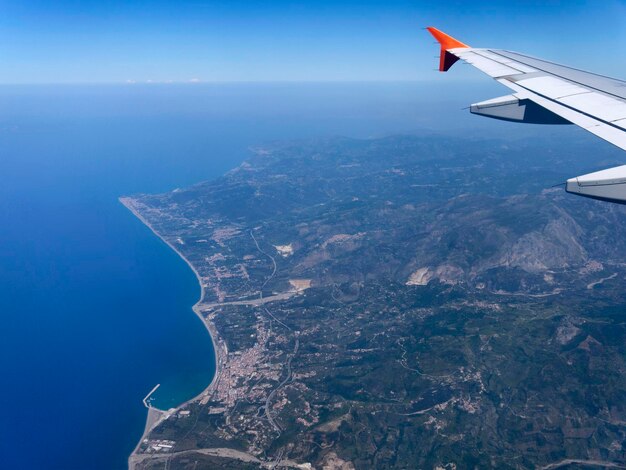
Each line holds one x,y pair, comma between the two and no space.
94,309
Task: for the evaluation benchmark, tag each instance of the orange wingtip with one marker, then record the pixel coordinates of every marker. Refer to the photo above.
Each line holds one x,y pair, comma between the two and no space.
446,59
447,42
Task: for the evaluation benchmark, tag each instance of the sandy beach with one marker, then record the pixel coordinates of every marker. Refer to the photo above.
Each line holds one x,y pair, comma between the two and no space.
156,416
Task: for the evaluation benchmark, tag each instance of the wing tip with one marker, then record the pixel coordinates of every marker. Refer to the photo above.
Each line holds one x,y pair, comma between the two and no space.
447,42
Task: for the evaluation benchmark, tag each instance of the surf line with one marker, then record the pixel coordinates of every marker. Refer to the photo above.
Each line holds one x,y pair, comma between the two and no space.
145,400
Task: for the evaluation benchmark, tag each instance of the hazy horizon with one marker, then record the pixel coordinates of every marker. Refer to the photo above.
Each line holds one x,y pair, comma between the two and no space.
117,41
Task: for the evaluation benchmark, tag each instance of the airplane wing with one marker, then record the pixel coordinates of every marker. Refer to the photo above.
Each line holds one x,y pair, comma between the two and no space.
549,93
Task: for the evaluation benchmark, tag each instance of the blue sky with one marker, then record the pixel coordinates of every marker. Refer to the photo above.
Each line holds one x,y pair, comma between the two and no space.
234,40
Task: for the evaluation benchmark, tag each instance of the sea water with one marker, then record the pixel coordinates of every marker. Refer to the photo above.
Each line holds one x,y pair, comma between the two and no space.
94,309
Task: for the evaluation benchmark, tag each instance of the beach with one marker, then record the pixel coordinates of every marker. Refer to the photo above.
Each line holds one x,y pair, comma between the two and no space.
156,416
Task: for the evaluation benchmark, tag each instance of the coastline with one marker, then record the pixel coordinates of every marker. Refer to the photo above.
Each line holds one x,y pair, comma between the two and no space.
151,420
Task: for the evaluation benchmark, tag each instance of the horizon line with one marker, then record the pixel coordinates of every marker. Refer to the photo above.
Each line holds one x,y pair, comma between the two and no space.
220,82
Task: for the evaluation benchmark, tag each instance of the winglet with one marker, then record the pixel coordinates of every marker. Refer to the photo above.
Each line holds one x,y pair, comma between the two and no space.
446,59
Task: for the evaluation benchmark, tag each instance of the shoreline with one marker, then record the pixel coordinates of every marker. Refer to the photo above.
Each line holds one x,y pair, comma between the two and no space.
151,423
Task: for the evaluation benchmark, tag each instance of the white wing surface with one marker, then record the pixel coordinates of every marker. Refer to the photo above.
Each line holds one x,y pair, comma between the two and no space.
549,93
